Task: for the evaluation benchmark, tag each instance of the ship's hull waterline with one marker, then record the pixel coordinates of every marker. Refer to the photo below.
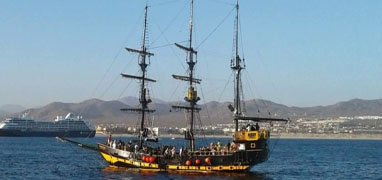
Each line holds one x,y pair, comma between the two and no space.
26,133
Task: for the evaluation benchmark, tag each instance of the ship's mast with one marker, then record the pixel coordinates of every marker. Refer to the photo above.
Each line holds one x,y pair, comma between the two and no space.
144,99
236,66
191,97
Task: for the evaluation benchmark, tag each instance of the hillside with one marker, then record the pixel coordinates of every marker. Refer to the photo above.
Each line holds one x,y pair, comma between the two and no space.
11,108
101,112
3,114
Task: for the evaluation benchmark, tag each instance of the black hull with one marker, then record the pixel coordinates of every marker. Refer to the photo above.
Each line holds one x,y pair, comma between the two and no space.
248,149
20,133
239,161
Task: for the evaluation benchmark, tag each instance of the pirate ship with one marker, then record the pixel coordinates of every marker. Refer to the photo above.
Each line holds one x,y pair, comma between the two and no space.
248,147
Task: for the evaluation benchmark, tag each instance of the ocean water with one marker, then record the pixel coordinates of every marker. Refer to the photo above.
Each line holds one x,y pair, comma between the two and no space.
49,158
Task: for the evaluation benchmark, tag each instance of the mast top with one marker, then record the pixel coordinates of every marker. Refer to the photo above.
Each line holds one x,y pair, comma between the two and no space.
191,24
236,61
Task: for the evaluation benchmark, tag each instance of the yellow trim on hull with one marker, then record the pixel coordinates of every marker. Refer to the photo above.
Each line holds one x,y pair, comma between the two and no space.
152,166
112,160
209,168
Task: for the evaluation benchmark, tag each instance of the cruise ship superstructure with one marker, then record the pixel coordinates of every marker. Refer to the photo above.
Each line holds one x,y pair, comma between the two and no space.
70,126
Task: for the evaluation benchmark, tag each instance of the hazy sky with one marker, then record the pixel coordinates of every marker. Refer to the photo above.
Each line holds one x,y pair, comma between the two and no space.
298,53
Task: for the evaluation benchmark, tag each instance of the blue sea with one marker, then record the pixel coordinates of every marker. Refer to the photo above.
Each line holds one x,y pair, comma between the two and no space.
49,158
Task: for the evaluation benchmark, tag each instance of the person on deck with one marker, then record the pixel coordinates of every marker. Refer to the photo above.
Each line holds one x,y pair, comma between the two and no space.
167,152
218,145
173,151
248,127
109,140
180,152
136,148
114,144
212,146
233,146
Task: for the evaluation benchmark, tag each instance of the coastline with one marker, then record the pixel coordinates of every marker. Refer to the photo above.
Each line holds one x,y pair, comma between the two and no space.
280,136
177,136
328,136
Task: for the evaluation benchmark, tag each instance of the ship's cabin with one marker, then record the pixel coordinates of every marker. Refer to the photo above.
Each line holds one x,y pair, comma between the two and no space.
251,133
251,138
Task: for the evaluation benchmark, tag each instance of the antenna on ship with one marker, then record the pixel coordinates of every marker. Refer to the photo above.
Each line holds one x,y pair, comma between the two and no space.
144,98
191,97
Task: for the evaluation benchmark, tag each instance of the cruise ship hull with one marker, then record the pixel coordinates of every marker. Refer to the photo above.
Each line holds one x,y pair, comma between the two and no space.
26,133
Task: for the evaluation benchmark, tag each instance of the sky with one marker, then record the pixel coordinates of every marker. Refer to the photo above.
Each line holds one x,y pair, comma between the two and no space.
297,53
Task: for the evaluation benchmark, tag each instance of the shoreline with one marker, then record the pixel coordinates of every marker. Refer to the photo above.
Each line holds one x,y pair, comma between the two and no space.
280,136
329,136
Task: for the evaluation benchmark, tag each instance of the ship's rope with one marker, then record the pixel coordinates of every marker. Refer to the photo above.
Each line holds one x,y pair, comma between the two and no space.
223,2
262,101
162,34
85,109
137,126
251,91
176,89
205,107
225,86
174,92
244,109
241,40
154,104
166,45
125,89
271,82
172,49
164,3
221,94
114,59
87,137
216,28
204,141
170,24
275,144
88,152
266,106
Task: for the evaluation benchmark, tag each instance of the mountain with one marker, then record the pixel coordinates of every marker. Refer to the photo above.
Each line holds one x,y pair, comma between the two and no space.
97,111
133,101
108,112
12,108
354,107
129,100
3,114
